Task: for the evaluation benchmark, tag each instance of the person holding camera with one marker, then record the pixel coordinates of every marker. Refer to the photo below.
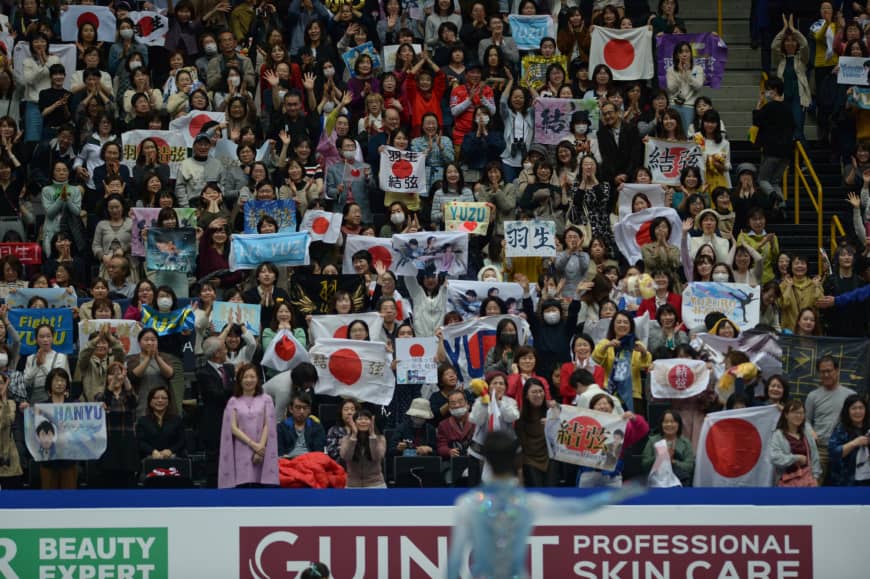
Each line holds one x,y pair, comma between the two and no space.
519,127
415,435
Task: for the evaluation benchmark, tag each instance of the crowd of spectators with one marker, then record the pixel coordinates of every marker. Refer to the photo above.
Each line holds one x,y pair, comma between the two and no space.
307,129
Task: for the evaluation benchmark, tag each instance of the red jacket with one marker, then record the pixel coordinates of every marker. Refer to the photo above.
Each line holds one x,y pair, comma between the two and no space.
450,431
418,105
649,305
515,388
568,393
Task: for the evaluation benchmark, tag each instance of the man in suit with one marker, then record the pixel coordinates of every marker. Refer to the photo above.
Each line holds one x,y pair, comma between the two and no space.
215,381
620,145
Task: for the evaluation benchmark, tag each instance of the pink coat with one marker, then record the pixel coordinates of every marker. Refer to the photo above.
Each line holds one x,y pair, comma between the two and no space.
236,466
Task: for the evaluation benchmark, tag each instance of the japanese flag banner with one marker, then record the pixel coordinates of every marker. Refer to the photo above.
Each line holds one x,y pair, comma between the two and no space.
321,225
151,27
402,171
530,238
679,378
284,352
67,53
380,248
171,148
416,360
630,192
628,53
633,231
353,369
190,125
467,343
335,325
74,17
667,159
584,437
734,448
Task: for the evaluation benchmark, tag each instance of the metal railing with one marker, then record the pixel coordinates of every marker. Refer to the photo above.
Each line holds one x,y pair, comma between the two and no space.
836,228
719,18
802,166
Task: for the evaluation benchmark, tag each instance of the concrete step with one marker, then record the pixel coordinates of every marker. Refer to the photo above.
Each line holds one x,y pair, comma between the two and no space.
709,8
733,30
743,57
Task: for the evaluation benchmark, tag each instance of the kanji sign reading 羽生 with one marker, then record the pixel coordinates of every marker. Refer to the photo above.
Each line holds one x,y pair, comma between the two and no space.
667,159
402,171
530,238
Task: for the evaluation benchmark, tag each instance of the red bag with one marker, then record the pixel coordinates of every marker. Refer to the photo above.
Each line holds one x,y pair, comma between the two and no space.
802,477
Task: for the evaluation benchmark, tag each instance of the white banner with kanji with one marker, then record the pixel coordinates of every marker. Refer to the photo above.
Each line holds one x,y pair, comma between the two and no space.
151,27
353,369
584,437
402,171
667,159
415,359
679,378
171,148
530,238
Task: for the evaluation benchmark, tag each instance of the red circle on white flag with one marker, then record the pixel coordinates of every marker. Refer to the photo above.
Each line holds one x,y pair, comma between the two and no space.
340,333
733,447
680,377
403,168
146,26
582,442
196,123
417,351
618,54
346,366
644,234
88,18
285,348
320,225
381,254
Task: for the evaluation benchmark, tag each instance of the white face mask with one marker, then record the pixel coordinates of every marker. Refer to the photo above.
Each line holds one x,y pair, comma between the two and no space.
164,303
490,279
720,277
349,155
328,72
552,318
134,64
581,129
234,81
126,33
210,48
458,412
483,119
397,218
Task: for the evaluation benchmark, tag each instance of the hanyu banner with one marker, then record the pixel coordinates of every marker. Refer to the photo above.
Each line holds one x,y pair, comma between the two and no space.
65,431
248,250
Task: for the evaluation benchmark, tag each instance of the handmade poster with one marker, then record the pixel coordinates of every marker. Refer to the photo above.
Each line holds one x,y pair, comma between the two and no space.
467,343
854,70
27,320
466,296
172,322
282,210
530,238
127,332
381,250
627,52
75,16
284,249
528,31
553,118
433,252
584,437
353,369
740,302
312,294
678,378
390,52
351,55
472,217
171,148
247,315
322,225
67,53
416,360
151,27
27,253
145,218
666,159
402,171
171,249
336,325
860,98
534,69
190,124
708,51
55,297
653,193
75,431
763,349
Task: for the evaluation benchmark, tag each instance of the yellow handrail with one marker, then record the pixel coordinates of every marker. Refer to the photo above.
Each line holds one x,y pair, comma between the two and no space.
836,227
720,18
800,155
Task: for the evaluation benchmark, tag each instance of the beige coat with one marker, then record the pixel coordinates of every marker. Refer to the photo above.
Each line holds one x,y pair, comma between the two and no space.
801,59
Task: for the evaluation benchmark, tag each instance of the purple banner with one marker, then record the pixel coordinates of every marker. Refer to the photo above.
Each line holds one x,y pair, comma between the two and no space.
708,50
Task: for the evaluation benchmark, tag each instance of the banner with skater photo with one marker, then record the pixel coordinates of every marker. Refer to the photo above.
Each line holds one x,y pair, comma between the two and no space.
584,437
55,297
854,70
415,359
27,320
171,249
553,118
350,57
708,51
666,160
402,171
472,217
530,238
466,296
432,252
247,315
75,431
126,331
281,210
740,302
145,218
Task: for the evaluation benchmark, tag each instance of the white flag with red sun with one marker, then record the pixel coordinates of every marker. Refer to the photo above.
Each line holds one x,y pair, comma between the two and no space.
284,352
335,325
190,125
353,369
321,225
151,27
403,171
679,378
628,53
100,17
416,360
380,248
633,231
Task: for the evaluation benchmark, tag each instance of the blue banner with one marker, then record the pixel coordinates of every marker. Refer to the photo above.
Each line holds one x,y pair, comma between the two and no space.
248,250
25,321
282,210
166,323
65,431
351,55
527,31
55,297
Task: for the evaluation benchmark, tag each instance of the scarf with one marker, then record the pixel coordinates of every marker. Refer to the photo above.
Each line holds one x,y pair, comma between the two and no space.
829,36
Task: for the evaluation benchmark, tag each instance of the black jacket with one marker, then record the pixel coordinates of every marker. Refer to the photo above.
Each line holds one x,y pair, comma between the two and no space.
620,159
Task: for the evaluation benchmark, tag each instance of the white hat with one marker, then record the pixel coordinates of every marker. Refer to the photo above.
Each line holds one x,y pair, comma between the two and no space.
420,408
